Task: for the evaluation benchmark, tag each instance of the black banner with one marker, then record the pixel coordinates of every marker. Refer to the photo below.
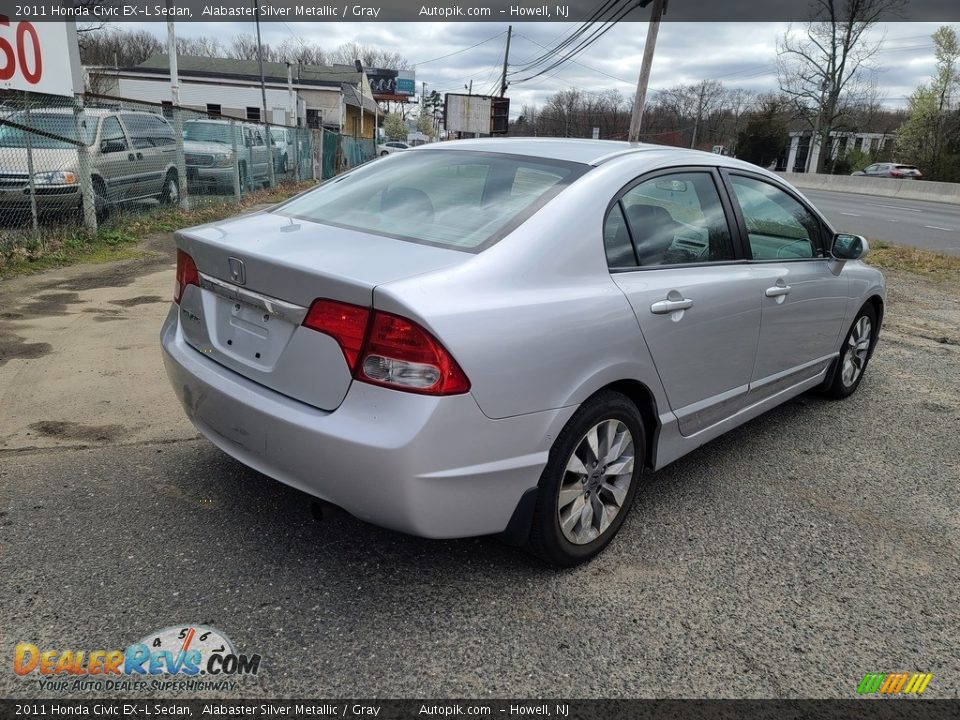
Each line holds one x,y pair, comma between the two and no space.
220,709
497,11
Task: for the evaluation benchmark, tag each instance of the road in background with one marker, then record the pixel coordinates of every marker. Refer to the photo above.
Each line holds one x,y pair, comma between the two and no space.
926,225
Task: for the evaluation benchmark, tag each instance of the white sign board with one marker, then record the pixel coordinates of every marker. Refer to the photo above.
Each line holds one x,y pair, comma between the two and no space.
468,113
40,57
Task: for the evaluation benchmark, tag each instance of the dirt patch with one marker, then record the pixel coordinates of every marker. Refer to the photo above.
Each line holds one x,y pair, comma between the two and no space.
12,346
139,300
11,316
51,304
115,275
102,311
75,431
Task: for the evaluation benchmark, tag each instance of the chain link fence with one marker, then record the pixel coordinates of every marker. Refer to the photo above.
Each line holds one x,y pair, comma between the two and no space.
76,161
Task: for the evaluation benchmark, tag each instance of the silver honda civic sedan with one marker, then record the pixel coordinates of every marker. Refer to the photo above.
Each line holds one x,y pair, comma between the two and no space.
500,336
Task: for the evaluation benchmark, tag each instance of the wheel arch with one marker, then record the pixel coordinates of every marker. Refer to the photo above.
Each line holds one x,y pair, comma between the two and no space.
641,396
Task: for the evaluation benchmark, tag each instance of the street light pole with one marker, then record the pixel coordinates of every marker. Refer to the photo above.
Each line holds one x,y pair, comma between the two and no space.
659,8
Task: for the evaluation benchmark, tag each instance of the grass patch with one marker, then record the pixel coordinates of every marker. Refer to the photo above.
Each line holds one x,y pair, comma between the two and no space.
929,264
24,251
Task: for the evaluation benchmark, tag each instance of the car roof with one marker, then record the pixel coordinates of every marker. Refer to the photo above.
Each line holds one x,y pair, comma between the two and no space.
587,151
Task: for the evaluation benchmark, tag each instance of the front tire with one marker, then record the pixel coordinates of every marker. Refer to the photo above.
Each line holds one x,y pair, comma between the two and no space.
589,482
854,355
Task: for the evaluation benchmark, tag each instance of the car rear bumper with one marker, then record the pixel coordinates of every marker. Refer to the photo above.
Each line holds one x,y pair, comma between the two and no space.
430,466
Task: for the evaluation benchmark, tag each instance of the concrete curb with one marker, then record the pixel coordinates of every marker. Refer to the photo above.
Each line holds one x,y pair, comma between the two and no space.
881,187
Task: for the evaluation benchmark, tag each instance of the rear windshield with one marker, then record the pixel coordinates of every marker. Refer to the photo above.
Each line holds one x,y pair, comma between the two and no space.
456,199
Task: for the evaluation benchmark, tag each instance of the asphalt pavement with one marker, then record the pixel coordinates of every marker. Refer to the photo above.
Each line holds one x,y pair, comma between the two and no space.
813,545
926,225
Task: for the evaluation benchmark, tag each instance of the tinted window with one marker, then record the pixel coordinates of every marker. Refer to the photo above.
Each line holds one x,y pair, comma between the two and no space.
616,240
778,226
450,198
678,218
111,135
148,130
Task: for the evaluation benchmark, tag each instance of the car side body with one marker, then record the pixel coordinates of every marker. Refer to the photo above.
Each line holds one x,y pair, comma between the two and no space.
132,157
891,170
540,320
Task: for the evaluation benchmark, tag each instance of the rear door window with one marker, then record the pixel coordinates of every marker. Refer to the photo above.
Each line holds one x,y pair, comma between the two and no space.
677,219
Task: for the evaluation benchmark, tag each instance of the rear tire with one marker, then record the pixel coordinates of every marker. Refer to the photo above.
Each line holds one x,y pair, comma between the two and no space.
170,195
854,355
384,153
590,480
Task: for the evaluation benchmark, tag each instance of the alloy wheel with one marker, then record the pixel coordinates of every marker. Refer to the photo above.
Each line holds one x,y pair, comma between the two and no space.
596,482
855,355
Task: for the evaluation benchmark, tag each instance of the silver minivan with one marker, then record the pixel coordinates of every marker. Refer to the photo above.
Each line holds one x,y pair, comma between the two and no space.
132,157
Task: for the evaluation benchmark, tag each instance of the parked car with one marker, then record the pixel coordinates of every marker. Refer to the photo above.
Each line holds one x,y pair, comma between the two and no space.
284,147
891,170
209,147
132,157
500,336
388,148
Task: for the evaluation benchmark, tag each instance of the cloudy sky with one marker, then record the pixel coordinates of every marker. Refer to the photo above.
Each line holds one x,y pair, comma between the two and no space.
738,54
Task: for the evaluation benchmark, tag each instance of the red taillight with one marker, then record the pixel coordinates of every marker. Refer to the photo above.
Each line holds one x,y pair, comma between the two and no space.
187,274
385,349
347,324
896,173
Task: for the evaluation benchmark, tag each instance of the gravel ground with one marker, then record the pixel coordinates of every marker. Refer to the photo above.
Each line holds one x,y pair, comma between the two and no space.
817,543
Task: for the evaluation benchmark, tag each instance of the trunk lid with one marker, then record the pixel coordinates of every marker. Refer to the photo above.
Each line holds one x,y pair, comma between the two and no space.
259,275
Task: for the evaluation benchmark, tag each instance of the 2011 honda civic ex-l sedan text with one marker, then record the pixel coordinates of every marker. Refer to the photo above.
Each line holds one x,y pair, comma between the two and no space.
497,336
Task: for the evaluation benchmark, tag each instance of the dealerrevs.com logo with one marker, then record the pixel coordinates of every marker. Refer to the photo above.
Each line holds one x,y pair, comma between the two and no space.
899,683
191,657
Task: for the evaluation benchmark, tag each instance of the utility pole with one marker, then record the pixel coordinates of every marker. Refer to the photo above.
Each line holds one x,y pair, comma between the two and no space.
179,157
506,59
263,96
659,8
696,123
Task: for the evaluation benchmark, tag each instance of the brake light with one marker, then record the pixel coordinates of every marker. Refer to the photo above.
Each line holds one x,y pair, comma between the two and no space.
385,349
345,323
896,173
187,274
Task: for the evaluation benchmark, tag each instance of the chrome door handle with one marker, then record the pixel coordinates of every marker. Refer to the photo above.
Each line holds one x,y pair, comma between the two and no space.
777,291
668,306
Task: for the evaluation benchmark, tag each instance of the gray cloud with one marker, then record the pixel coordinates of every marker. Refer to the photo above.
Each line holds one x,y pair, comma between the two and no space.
738,54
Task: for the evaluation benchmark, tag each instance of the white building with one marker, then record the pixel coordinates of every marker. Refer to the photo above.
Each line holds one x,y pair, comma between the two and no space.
801,159
304,95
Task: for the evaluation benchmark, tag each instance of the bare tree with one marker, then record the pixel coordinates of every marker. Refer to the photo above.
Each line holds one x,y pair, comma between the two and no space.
825,67
370,55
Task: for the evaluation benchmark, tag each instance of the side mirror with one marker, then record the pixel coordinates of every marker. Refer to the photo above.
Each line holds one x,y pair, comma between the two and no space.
848,247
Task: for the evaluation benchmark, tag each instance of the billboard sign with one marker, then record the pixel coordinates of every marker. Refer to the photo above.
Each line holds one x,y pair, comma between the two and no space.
396,85
476,114
40,57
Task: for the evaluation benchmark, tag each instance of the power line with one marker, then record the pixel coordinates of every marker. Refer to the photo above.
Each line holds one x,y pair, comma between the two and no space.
457,52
